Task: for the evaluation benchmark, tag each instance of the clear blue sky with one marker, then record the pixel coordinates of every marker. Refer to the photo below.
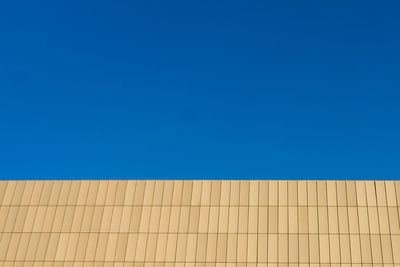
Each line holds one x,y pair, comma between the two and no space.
200,89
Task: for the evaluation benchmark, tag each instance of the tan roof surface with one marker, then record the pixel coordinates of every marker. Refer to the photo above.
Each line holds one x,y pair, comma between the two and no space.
199,223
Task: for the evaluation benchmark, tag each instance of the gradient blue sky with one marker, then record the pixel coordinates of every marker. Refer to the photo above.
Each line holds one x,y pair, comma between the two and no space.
200,89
